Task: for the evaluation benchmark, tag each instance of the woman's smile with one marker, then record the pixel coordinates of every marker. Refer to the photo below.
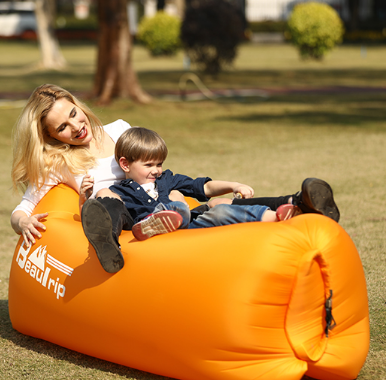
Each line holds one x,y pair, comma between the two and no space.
82,134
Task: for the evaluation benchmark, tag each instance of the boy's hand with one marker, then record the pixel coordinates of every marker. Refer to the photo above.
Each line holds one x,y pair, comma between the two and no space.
176,196
243,191
86,188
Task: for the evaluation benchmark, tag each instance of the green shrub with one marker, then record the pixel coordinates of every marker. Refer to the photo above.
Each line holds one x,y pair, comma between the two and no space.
267,26
160,33
315,28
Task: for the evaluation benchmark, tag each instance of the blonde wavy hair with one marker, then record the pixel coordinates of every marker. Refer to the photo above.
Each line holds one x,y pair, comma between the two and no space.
35,154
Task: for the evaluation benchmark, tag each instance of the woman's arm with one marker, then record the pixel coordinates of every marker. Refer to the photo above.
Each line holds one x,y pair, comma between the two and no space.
216,188
21,220
27,225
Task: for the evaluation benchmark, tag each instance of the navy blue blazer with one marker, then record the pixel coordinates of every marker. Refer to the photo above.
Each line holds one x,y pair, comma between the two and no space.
140,204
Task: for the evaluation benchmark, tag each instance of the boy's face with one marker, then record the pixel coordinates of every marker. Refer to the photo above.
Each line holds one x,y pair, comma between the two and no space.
141,171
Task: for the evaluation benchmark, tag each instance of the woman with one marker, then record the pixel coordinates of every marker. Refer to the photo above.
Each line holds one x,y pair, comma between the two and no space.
58,139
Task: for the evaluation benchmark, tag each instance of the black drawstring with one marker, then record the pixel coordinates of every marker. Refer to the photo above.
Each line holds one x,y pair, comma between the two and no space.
330,321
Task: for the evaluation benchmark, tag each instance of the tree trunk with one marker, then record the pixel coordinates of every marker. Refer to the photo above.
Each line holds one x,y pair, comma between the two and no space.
115,76
51,57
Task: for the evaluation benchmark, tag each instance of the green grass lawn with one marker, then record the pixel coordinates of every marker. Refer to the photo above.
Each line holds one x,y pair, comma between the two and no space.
271,144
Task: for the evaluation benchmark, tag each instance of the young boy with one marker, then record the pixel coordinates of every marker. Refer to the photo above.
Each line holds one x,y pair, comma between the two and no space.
140,153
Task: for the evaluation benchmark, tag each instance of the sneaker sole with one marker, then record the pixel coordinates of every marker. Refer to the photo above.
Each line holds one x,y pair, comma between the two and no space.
157,224
318,196
97,227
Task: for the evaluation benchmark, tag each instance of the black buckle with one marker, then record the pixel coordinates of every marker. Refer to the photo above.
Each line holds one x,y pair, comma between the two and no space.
330,321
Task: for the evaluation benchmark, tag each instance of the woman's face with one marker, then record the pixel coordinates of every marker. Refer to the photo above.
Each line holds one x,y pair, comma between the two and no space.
67,123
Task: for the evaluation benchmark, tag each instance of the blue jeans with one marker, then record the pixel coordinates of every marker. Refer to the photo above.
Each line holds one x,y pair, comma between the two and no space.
220,215
224,214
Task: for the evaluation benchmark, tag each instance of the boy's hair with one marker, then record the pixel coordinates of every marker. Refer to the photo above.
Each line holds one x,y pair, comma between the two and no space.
138,143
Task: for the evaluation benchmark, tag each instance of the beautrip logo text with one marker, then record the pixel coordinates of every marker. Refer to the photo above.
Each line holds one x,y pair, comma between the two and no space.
39,265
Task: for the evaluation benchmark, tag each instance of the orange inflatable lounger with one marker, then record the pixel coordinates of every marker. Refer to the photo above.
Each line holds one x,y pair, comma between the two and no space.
246,301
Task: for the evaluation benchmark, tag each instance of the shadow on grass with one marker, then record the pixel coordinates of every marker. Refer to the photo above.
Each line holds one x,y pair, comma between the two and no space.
21,87
81,76
342,110
316,119
269,78
362,98
60,353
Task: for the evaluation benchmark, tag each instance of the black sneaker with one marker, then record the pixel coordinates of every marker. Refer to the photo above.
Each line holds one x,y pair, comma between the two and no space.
98,229
316,197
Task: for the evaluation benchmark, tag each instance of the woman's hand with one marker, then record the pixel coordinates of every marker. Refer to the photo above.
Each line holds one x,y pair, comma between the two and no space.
86,188
243,191
28,227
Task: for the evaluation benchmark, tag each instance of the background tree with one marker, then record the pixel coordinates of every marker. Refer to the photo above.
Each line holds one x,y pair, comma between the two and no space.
51,56
115,76
211,31
353,6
